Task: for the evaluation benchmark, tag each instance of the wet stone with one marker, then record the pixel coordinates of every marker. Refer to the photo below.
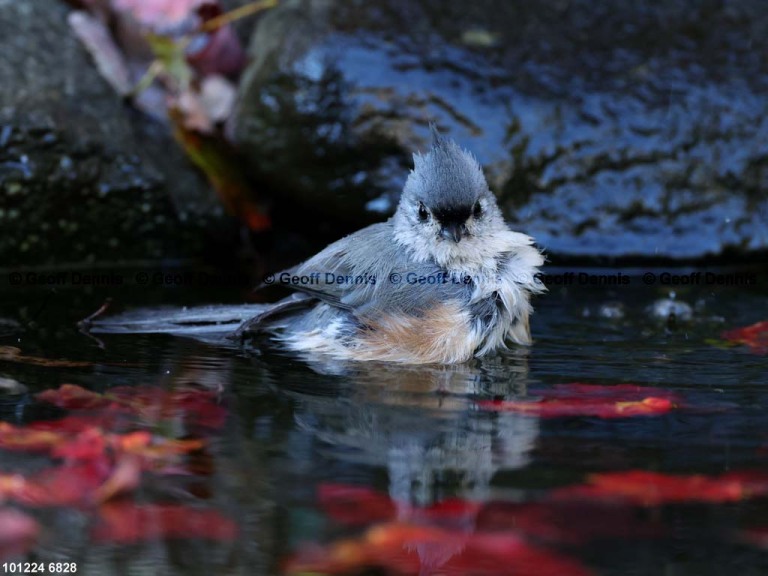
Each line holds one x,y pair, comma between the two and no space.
77,165
637,129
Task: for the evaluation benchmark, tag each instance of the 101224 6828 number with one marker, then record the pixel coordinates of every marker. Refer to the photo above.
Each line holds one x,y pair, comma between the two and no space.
39,567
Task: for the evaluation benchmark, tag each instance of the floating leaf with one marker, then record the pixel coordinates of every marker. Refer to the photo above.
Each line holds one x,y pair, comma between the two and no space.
13,354
130,523
754,336
645,488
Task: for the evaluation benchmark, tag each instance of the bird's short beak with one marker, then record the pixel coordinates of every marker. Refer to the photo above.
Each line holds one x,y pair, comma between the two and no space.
452,231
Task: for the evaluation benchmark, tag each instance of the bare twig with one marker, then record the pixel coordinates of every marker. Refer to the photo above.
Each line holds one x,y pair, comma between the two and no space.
87,322
237,14
146,80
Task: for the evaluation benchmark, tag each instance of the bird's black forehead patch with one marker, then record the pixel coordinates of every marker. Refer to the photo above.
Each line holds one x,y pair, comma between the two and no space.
458,213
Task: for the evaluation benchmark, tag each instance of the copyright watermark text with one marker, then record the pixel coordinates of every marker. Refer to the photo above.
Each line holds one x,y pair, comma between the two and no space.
569,278
206,278
117,279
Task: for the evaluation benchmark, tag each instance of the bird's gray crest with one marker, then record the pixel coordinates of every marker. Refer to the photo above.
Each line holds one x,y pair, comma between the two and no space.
445,176
437,138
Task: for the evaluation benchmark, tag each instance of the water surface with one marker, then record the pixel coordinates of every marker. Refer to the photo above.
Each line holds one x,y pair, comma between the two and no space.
417,435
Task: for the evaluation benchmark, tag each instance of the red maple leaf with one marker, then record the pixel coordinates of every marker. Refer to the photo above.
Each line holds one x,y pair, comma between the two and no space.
646,488
129,523
754,336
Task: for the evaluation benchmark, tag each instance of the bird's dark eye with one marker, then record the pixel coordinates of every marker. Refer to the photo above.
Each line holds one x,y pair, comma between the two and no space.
423,212
477,211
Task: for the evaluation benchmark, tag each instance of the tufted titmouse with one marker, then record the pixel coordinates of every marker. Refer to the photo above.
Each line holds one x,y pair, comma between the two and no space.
441,281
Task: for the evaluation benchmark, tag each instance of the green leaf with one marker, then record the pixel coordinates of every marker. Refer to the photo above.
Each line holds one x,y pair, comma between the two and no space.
171,53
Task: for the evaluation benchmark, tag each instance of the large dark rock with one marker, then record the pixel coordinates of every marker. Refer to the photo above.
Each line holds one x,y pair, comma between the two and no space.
607,129
83,177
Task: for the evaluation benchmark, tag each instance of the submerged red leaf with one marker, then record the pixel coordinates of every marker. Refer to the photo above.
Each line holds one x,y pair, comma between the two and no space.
507,554
98,464
653,488
161,454
453,512
567,521
593,407
90,444
91,475
61,486
129,523
360,505
754,336
125,477
113,418
406,549
73,397
18,533
25,439
560,520
756,536
197,407
11,485
592,400
355,505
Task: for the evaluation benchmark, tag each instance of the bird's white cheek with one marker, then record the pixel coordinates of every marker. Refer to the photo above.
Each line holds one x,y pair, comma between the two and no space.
430,231
475,229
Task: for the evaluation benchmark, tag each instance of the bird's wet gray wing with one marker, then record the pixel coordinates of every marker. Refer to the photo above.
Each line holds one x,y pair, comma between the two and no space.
317,276
287,305
367,273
